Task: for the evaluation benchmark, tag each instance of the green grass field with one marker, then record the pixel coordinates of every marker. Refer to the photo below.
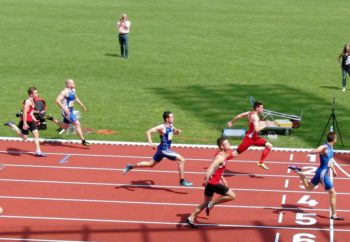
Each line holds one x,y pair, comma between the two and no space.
200,59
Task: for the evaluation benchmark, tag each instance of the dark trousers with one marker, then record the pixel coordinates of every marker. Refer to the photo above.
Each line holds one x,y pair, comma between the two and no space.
345,73
123,41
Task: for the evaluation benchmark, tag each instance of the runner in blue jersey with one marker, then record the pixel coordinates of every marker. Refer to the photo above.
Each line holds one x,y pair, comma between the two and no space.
321,175
65,101
166,131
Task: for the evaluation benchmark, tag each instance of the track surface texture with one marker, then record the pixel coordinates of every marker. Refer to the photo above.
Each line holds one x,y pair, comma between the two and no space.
78,193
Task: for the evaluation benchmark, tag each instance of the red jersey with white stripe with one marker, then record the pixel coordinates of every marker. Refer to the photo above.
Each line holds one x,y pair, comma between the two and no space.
251,133
216,177
30,111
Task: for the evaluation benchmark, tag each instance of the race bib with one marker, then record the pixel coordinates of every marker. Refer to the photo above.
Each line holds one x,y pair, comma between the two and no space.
170,136
70,104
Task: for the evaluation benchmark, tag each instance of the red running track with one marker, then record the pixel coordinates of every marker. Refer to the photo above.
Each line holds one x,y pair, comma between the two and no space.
79,194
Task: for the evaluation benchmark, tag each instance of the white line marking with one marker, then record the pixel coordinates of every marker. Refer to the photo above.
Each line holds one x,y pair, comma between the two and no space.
291,157
288,171
149,170
277,237
149,157
284,197
280,217
342,170
65,158
153,186
286,183
331,226
160,203
165,223
64,141
39,240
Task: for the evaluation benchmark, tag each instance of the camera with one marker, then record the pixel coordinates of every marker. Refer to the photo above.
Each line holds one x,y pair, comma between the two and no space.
19,114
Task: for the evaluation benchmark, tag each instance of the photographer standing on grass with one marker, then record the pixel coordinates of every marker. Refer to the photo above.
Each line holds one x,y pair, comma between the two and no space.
344,59
123,27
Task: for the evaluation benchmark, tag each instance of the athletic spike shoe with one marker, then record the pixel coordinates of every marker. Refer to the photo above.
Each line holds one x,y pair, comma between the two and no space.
186,183
262,165
295,168
336,217
191,223
127,168
85,143
9,123
40,154
208,208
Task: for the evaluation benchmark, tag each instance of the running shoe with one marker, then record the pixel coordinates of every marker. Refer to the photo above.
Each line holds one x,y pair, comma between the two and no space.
208,208
9,123
191,223
127,169
85,143
295,168
40,154
262,165
186,183
336,217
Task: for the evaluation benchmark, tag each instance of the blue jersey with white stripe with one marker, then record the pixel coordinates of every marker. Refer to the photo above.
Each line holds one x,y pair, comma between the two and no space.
326,158
69,99
166,138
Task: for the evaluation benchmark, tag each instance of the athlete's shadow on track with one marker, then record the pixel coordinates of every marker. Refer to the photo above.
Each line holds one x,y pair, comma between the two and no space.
66,145
288,208
148,185
18,152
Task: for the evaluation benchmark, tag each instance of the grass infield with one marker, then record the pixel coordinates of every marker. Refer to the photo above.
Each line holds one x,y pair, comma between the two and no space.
200,59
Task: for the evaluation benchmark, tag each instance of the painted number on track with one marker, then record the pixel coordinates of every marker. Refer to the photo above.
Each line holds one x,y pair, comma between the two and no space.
304,237
312,157
309,170
306,200
305,218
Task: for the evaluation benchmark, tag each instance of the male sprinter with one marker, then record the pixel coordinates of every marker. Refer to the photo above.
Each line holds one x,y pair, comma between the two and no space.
65,101
166,131
212,182
251,137
28,121
321,175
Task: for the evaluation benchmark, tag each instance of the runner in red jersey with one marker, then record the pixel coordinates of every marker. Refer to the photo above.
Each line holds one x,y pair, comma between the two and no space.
28,121
251,137
213,183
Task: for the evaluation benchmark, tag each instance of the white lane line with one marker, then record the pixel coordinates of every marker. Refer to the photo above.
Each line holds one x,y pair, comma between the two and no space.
153,186
164,223
152,171
277,237
331,225
291,157
142,144
284,197
160,203
286,183
38,240
280,217
149,157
